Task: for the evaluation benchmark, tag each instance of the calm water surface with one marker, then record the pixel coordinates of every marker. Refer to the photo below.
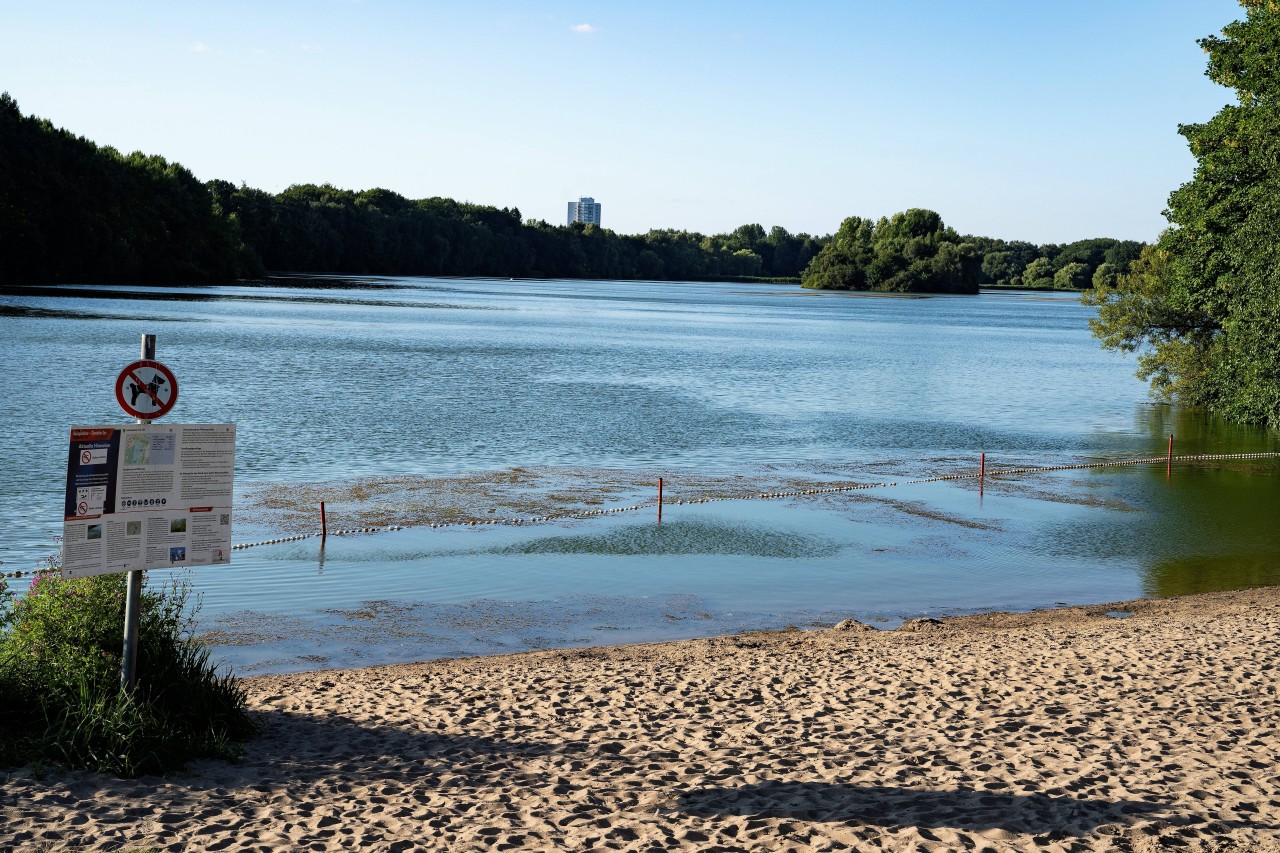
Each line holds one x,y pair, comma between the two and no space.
457,378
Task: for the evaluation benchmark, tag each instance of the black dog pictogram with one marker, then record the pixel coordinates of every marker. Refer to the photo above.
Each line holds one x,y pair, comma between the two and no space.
152,387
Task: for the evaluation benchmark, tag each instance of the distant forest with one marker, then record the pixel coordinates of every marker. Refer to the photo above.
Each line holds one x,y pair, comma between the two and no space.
71,210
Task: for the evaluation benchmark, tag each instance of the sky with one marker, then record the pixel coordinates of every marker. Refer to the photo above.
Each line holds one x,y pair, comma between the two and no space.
1020,119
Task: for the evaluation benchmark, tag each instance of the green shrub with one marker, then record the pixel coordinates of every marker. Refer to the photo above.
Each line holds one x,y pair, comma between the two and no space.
62,701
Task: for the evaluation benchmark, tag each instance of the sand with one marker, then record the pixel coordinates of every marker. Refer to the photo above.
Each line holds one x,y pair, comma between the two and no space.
1056,730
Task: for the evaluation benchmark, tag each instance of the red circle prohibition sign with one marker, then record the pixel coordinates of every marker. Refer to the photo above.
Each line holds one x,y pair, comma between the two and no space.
146,389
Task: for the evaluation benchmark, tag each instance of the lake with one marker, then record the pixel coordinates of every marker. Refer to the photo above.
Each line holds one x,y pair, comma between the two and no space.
414,401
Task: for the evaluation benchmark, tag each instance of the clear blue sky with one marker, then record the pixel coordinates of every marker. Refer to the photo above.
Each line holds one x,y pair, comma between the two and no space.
1022,119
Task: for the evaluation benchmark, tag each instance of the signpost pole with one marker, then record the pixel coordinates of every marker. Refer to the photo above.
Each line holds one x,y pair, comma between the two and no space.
133,592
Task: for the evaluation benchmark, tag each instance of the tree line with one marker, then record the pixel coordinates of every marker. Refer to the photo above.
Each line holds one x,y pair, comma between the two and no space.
75,211
324,228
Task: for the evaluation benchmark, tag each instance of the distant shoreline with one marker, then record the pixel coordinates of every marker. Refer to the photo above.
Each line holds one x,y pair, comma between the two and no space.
320,280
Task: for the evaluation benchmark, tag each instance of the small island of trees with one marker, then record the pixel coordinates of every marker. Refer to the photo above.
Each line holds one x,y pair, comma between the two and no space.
914,252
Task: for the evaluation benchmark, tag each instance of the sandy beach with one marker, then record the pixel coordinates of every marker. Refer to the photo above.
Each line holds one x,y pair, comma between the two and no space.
1057,730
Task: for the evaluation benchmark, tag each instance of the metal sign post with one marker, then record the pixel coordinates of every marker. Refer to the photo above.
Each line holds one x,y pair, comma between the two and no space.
133,592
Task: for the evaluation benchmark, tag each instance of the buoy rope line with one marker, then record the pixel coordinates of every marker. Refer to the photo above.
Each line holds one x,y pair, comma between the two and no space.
596,513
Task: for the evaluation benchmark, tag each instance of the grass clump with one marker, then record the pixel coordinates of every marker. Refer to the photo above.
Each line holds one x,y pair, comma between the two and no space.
61,700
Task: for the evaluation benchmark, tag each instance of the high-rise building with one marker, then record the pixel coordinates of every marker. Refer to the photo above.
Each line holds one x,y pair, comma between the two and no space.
584,210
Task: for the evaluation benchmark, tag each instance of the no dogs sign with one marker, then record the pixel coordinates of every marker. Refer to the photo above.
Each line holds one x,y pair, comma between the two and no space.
146,390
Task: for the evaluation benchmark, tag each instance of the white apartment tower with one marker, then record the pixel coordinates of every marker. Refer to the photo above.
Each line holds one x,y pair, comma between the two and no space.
584,210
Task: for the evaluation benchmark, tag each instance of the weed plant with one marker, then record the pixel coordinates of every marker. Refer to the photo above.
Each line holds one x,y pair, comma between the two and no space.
61,700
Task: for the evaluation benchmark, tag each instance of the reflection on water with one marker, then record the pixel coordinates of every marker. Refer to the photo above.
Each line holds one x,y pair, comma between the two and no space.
318,295
474,397
59,313
1222,518
1189,575
1211,525
1197,432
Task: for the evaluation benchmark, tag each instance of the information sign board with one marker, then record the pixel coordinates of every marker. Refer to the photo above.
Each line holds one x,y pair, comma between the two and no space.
146,389
147,496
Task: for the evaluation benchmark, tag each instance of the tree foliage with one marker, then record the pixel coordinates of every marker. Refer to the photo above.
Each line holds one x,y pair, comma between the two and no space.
914,251
1073,276
1038,274
1203,305
908,252
71,210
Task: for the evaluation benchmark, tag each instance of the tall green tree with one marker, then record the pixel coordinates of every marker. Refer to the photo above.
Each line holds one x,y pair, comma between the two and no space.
1202,307
1038,274
1073,276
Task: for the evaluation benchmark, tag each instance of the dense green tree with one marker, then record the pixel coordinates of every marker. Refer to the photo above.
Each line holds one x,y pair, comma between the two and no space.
844,262
1038,274
1203,306
748,237
1073,276
649,265
1000,267
746,263
1090,252
1003,262
1122,254
782,251
1105,275
785,254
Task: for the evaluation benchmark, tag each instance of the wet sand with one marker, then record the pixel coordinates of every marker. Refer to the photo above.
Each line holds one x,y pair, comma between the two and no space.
1058,730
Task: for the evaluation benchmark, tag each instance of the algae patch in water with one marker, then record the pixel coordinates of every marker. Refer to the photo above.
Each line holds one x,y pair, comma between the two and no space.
512,493
694,536
529,494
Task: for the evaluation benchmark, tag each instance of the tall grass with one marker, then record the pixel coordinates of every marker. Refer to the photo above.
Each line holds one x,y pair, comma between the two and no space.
61,700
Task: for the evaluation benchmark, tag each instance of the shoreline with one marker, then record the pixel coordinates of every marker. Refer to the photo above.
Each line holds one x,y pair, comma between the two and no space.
1062,729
